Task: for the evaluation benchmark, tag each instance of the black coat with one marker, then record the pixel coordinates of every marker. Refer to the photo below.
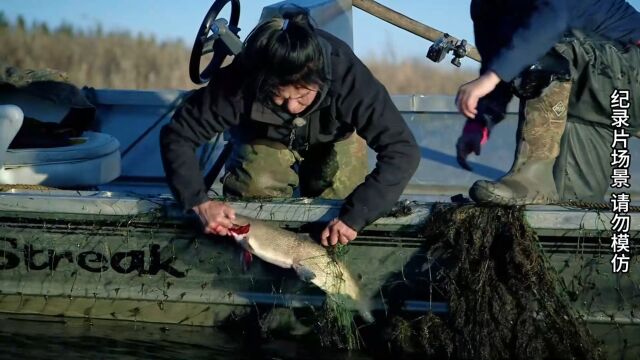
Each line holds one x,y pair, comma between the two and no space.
513,34
352,100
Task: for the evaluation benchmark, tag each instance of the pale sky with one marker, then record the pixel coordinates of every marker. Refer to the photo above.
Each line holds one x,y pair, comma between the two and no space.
171,19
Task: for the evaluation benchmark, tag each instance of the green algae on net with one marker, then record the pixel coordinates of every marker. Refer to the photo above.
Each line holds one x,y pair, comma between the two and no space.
505,299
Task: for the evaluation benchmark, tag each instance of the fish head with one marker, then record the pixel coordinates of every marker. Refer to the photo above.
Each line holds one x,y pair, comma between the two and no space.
240,232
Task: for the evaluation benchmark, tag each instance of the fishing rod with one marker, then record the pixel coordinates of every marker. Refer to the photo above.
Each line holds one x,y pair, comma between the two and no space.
443,43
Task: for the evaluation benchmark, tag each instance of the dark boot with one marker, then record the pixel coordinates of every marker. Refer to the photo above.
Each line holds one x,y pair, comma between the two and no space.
530,180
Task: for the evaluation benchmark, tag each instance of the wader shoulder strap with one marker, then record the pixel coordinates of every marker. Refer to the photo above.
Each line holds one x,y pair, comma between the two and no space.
217,166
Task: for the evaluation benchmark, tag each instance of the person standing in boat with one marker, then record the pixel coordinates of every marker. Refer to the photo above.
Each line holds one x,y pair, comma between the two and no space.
564,59
293,101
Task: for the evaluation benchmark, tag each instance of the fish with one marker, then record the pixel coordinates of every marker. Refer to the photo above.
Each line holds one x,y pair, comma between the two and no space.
311,261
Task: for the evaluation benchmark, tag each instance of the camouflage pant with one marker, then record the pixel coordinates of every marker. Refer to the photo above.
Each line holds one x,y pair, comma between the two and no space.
582,169
266,168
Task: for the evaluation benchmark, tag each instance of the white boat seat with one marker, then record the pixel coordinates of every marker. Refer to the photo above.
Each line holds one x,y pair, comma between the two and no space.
94,160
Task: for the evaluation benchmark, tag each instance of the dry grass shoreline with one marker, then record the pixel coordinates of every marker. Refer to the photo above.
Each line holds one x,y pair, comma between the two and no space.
125,61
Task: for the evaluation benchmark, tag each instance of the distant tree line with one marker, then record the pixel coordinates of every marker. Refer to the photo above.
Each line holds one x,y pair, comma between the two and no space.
100,59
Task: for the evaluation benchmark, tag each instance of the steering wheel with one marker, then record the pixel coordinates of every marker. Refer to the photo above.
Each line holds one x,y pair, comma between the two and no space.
206,43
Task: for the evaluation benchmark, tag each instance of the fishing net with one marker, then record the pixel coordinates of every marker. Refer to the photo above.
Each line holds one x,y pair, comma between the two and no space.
427,336
504,300
335,326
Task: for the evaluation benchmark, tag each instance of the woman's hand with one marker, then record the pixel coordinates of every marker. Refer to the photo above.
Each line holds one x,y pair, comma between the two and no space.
216,217
471,92
337,231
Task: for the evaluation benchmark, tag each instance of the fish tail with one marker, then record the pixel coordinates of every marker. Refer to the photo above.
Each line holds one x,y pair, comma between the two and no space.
362,303
364,307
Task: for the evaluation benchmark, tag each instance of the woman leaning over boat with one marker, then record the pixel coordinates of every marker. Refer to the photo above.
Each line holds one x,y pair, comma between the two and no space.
299,106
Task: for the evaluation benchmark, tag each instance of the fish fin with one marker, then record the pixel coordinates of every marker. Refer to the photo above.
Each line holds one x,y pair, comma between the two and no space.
246,258
304,272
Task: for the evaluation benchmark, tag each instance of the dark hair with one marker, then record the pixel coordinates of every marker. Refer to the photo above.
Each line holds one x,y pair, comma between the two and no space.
282,51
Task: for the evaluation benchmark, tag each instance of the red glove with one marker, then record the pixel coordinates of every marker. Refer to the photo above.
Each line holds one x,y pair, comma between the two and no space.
474,135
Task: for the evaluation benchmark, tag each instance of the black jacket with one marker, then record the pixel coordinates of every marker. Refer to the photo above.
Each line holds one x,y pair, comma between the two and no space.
352,100
513,34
